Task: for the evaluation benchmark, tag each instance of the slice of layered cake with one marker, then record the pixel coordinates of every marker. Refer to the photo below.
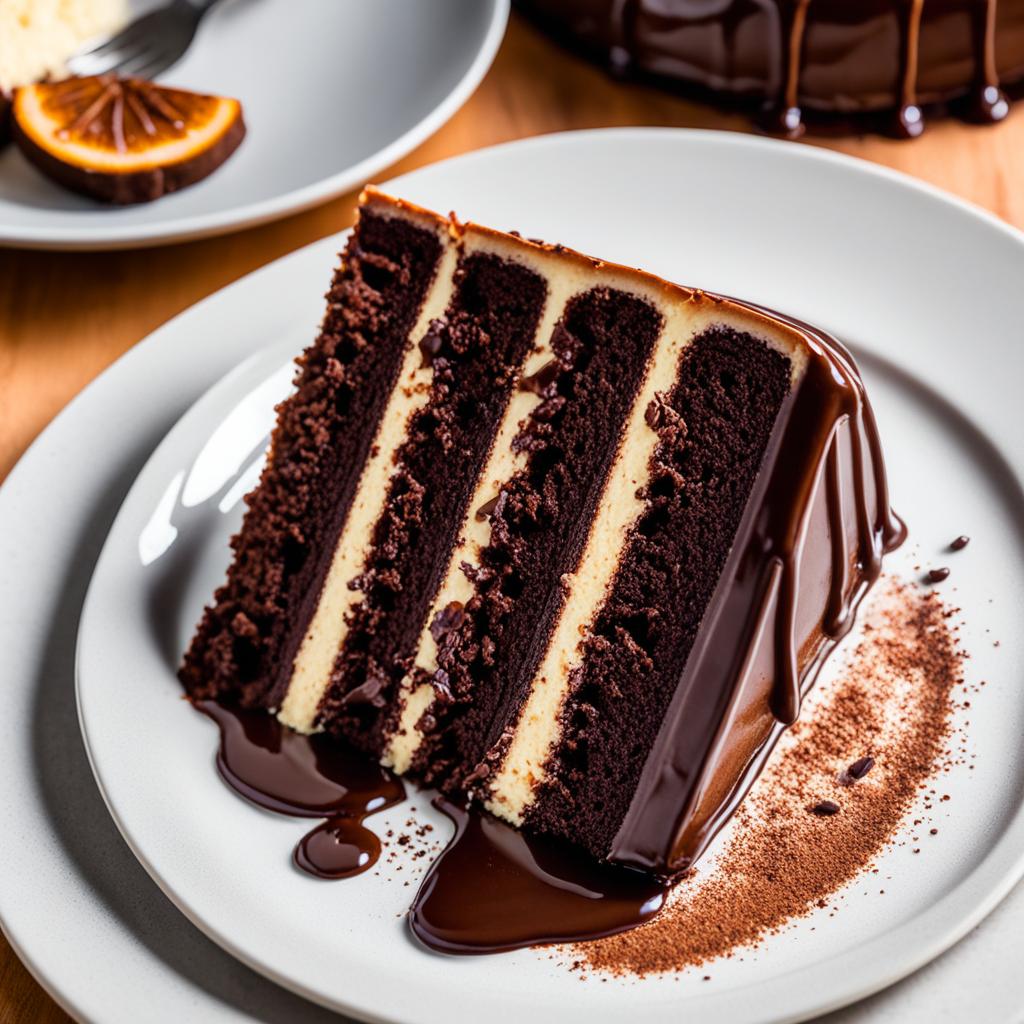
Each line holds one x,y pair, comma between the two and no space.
551,534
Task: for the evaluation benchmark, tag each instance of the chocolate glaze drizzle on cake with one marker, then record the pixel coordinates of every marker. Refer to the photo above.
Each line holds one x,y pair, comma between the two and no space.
496,888
826,57
827,431
562,539
306,777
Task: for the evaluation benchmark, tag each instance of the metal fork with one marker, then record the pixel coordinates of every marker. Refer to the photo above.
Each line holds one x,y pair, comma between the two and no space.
148,45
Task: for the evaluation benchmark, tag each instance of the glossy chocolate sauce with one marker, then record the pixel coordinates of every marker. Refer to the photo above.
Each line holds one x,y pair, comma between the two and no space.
306,777
492,889
756,625
829,396
909,119
831,56
495,888
988,101
785,117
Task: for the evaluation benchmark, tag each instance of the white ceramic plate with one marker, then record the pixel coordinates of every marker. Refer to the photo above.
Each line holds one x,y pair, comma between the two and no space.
857,250
333,91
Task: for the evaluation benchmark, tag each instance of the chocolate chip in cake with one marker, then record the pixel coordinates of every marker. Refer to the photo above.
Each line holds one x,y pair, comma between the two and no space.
368,693
539,382
487,508
448,618
430,343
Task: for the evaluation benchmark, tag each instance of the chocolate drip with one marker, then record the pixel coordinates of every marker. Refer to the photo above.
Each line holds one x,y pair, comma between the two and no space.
827,70
495,888
988,101
838,609
786,117
909,119
305,777
829,393
621,20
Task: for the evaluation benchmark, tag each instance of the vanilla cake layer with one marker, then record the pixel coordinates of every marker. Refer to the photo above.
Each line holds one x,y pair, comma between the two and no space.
553,534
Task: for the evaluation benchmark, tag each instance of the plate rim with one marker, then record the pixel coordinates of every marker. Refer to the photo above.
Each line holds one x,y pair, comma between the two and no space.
214,223
927,950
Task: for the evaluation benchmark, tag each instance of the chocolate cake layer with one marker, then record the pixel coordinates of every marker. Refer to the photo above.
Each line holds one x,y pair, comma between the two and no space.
245,643
475,356
488,650
825,58
713,430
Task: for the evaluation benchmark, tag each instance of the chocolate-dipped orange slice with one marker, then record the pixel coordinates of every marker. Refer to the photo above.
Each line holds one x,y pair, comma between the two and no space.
124,140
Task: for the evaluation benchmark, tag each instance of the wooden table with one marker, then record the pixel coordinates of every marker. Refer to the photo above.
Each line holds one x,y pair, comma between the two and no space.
64,317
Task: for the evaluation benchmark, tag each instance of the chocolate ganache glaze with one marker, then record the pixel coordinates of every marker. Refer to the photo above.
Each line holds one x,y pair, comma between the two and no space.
493,889
306,777
496,888
797,571
808,547
816,57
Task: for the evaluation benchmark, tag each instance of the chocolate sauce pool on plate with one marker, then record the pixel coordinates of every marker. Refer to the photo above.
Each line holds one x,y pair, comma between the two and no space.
495,888
492,888
306,777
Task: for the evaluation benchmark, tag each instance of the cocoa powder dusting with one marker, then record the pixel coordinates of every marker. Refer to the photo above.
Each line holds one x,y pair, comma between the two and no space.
891,703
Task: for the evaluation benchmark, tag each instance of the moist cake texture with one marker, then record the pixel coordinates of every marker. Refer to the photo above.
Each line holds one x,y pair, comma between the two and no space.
550,534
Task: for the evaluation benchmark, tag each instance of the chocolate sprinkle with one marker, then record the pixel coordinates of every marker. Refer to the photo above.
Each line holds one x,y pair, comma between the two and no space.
487,508
825,808
860,768
539,382
430,343
448,618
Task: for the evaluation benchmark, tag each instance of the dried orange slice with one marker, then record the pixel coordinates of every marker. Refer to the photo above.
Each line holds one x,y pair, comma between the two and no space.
124,140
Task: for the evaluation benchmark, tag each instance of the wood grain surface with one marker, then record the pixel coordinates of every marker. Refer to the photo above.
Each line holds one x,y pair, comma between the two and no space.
65,317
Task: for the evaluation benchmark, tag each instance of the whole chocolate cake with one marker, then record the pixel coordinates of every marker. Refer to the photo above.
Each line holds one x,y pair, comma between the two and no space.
553,535
820,57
